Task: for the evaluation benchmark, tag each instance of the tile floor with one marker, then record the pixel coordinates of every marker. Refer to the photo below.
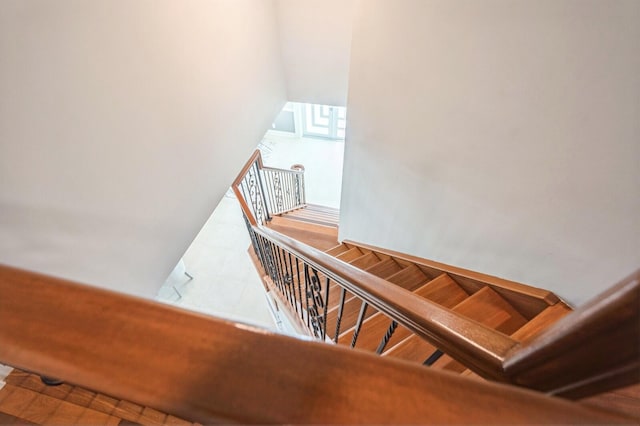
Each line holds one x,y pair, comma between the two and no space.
225,283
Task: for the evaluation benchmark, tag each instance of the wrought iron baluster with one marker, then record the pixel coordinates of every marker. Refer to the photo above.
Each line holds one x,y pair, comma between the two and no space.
306,292
293,286
283,274
267,264
363,311
387,336
277,190
291,283
273,269
272,200
302,311
343,293
257,198
276,268
262,256
266,210
316,285
290,190
326,308
433,358
314,293
296,190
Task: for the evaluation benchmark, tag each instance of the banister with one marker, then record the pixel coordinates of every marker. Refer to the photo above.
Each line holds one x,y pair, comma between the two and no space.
607,329
209,370
270,195
479,347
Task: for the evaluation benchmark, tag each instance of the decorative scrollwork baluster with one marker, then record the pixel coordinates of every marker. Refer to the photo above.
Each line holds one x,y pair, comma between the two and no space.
292,284
315,301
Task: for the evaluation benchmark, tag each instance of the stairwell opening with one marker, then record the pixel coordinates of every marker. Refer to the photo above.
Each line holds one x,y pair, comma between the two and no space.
215,275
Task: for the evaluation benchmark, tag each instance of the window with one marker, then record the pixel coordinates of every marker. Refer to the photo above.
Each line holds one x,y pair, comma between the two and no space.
324,121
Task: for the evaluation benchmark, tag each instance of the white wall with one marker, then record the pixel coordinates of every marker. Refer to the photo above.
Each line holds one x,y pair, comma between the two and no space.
315,37
122,124
501,136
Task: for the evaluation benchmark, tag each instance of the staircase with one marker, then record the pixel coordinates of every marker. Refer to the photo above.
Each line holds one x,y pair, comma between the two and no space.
510,308
424,312
516,310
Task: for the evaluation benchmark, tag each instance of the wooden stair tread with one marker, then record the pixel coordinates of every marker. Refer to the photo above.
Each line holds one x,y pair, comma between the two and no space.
318,207
350,254
365,261
29,403
304,212
314,235
529,301
336,250
541,322
410,277
311,220
314,214
443,290
384,269
489,308
412,348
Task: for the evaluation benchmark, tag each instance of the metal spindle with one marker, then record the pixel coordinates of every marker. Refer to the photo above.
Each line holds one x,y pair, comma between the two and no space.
387,336
272,264
293,287
363,311
343,293
306,292
266,210
317,301
302,311
433,358
283,275
326,308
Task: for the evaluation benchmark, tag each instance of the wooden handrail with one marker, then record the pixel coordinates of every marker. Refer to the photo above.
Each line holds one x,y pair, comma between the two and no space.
595,349
209,370
256,156
479,347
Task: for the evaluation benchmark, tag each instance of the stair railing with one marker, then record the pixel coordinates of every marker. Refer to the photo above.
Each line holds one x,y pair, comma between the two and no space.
307,278
266,191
